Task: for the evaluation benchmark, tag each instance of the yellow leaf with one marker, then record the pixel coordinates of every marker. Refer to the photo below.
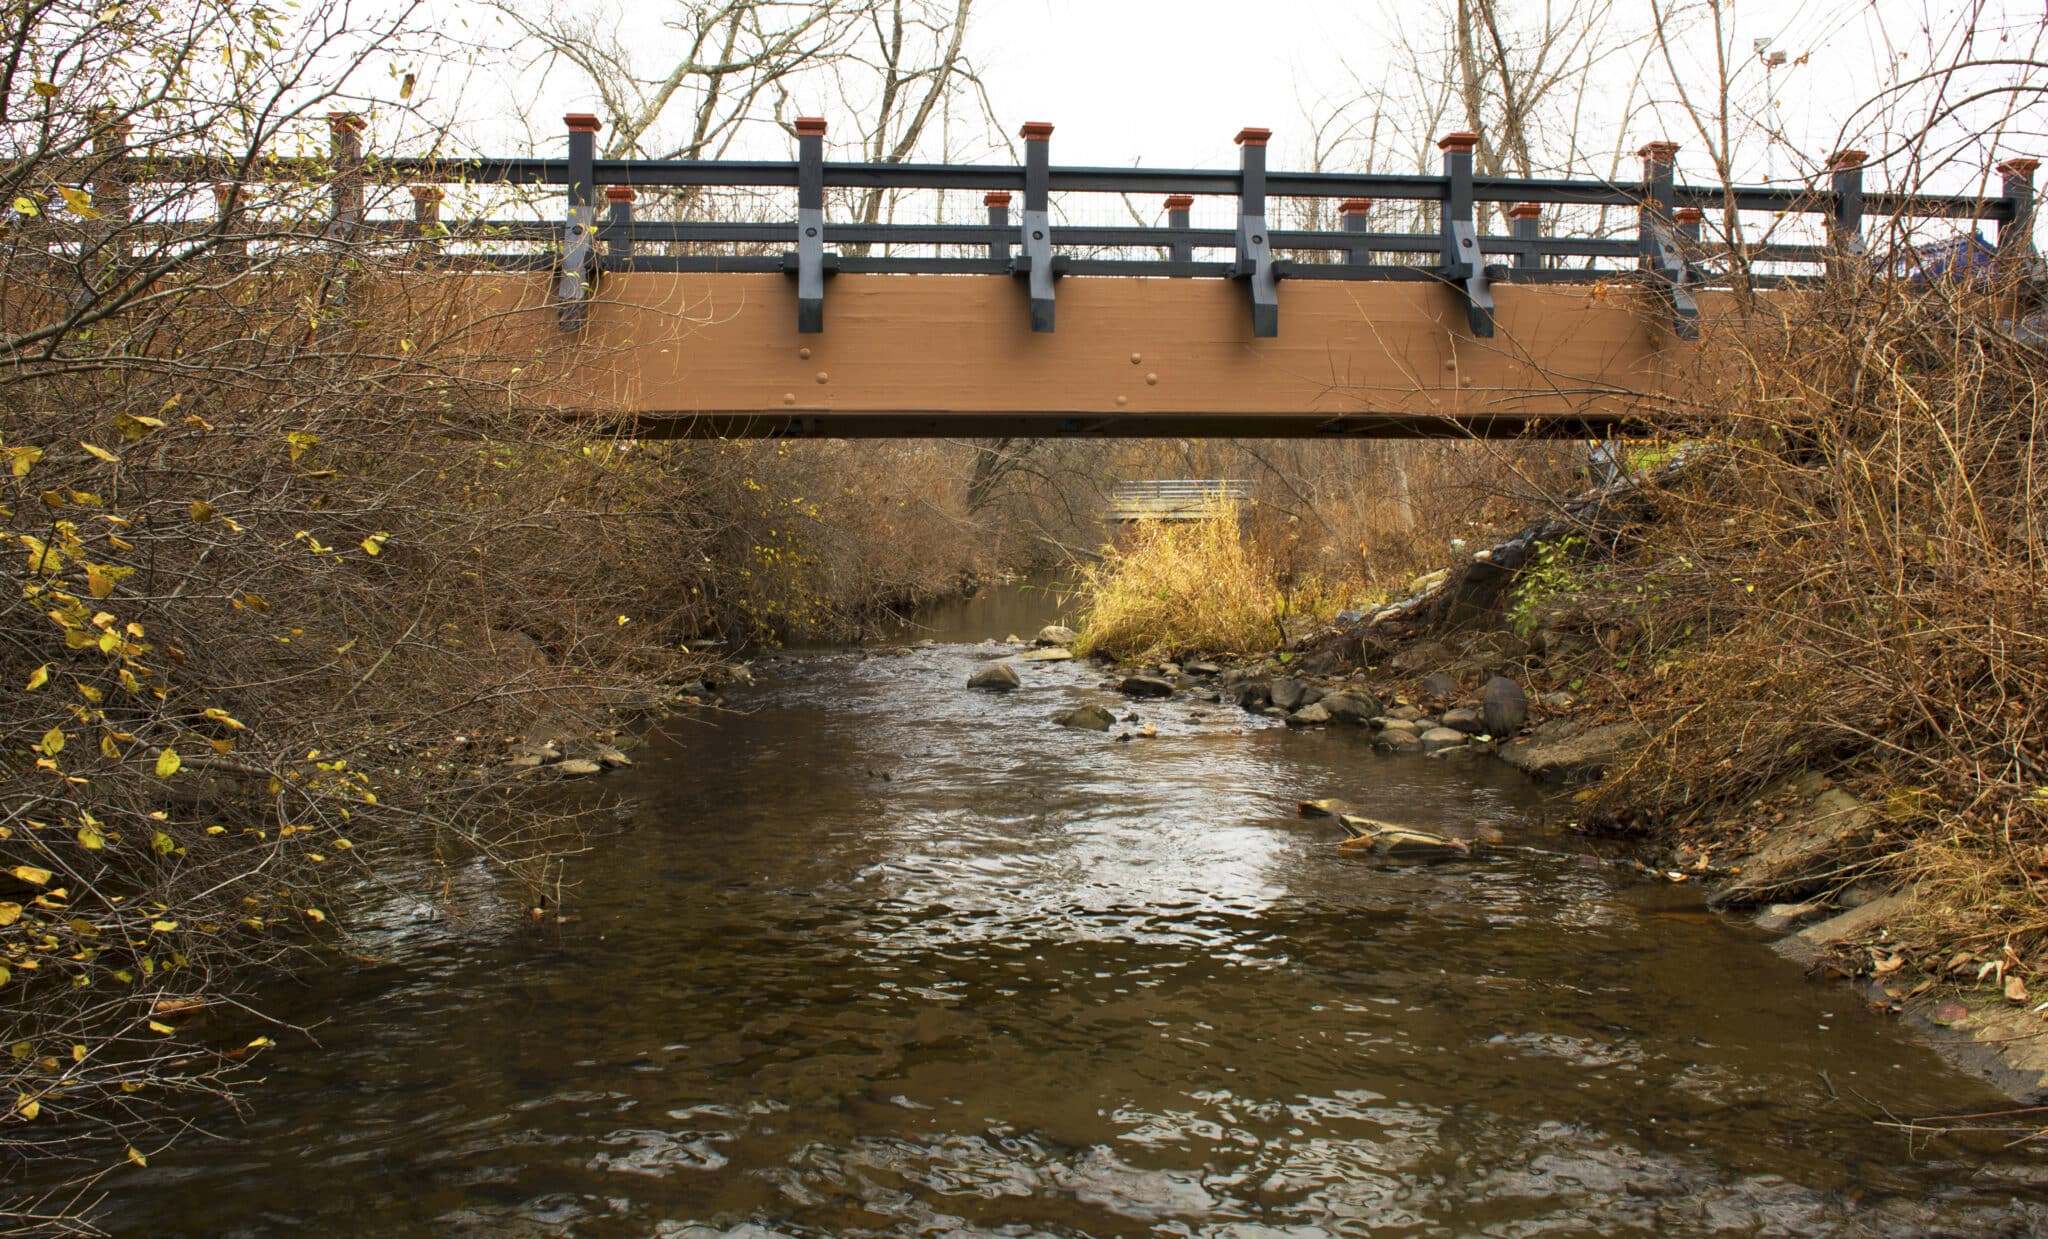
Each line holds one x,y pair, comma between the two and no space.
53,742
9,913
216,830
375,543
23,458
47,90
97,580
77,1053
167,763
219,715
157,1026
301,441
260,1042
26,206
39,677
110,750
100,452
31,875
91,840
405,87
315,915
163,927
27,1106
79,202
92,693
202,510
136,1157
133,425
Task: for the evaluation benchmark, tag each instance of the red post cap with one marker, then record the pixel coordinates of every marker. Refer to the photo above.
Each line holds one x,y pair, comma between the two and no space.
582,122
1463,140
1662,152
1179,202
996,198
810,126
427,193
1688,215
1846,161
1354,206
618,193
2021,168
1253,136
1035,130
1526,210
341,121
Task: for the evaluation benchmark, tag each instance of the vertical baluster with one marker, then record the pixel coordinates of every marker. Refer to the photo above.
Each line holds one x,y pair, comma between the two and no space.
620,247
345,137
1178,206
810,224
426,221
233,248
579,250
1688,220
1464,263
1254,243
998,203
1035,235
1656,241
1356,215
1526,221
1845,217
2016,256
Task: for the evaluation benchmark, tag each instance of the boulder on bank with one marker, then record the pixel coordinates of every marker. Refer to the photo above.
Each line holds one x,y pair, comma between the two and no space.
1287,693
1350,707
1441,738
1056,634
1087,717
996,677
1253,695
1504,706
1145,686
1311,715
1465,719
1439,685
1566,750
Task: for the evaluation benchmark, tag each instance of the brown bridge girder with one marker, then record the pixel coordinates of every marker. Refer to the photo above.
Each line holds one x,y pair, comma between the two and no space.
718,355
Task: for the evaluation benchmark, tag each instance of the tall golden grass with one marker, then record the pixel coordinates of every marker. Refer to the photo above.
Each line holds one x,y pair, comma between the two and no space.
1199,586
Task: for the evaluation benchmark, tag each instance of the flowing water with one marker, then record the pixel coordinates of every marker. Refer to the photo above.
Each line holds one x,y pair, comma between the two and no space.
886,957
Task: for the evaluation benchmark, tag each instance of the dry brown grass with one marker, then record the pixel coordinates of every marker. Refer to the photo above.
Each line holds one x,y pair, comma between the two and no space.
1854,579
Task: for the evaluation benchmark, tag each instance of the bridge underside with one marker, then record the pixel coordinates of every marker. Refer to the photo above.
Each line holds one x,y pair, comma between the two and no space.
719,355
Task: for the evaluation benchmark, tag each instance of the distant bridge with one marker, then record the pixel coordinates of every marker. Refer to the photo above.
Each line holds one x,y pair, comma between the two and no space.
1174,499
1023,325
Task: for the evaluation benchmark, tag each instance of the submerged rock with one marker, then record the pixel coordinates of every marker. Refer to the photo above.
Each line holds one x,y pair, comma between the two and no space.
1087,717
578,765
1145,686
1047,654
1386,839
529,755
1465,719
996,677
1056,634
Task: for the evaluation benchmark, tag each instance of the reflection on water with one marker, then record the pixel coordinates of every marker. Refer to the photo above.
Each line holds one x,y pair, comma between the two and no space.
886,957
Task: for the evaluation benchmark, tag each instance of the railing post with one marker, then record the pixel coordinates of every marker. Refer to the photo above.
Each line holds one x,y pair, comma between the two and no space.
227,201
1254,246
1526,220
1845,219
620,221
1035,236
1180,249
345,137
1463,261
810,224
1689,220
579,248
2016,256
426,221
998,203
1355,215
110,192
1656,242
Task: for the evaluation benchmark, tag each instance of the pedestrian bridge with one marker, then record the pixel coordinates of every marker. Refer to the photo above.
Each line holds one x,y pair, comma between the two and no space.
692,299
1174,499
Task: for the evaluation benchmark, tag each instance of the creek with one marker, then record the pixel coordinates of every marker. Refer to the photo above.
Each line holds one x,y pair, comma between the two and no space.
882,956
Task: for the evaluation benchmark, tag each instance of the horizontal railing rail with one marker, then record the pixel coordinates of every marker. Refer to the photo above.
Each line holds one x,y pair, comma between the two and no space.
600,233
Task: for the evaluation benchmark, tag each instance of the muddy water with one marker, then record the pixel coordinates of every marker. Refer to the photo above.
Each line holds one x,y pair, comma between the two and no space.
884,957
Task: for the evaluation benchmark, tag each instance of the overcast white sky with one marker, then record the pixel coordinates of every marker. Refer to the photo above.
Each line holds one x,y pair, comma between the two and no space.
1168,82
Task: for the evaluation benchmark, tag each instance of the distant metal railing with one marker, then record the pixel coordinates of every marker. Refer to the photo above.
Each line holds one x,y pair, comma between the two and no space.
1174,499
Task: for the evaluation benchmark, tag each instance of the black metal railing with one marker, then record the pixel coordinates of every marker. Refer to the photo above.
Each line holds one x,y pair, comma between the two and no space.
1666,251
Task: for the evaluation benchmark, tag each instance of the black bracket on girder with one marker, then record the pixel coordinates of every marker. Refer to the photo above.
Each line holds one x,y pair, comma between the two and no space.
1657,238
1254,263
1036,263
1464,263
